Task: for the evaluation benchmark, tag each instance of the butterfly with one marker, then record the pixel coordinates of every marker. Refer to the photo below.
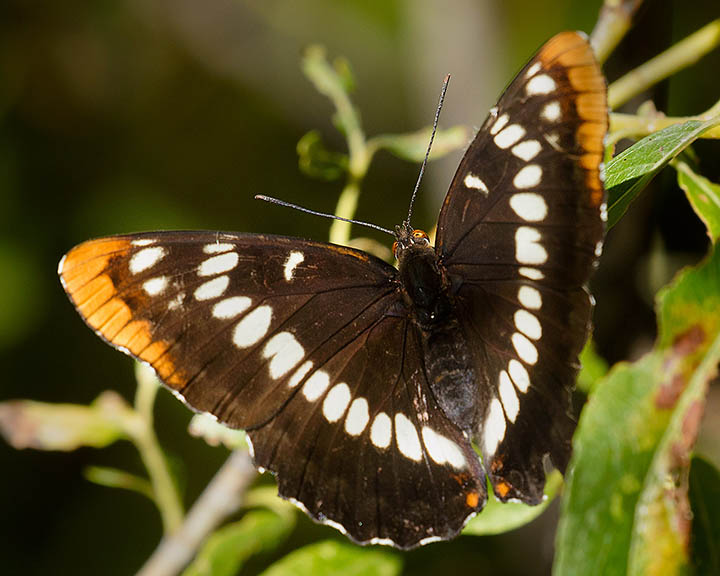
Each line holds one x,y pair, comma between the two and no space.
383,397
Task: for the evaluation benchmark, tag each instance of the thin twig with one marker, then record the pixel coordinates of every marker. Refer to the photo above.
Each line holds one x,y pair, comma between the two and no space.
679,56
631,125
221,498
614,21
165,491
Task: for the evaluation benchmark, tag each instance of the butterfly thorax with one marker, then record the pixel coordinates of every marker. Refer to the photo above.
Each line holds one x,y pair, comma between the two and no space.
424,285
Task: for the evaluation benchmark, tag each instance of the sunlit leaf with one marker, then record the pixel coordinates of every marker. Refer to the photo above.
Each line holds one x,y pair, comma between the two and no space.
625,508
227,549
332,558
412,147
593,368
705,505
629,172
44,426
114,478
704,197
498,517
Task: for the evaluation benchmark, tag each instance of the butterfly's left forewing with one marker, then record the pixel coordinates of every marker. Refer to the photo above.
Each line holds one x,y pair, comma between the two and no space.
305,345
518,235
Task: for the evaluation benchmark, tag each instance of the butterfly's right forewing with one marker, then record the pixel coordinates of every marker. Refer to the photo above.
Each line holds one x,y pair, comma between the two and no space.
308,346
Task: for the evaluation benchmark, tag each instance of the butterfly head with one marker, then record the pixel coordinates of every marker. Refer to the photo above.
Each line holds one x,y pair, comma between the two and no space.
408,238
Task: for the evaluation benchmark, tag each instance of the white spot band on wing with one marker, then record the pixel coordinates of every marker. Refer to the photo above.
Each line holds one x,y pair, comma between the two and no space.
336,402
381,430
212,288
528,249
218,264
406,437
253,327
494,429
291,263
146,258
285,353
231,307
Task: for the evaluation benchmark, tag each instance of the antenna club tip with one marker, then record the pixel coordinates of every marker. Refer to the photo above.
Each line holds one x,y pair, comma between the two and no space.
447,78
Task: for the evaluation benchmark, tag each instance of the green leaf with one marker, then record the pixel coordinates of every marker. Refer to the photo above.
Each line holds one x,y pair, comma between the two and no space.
412,147
267,497
331,558
497,517
227,549
705,505
704,197
317,161
625,507
629,172
114,478
345,74
43,426
594,367
335,83
613,448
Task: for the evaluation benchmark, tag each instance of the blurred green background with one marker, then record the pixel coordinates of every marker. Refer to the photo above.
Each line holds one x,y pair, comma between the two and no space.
120,116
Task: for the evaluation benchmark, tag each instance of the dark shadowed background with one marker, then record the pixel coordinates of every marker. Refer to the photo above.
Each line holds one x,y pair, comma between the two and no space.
121,116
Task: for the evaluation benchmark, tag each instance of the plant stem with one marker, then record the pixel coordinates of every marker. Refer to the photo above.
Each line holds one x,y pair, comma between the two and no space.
681,55
613,23
630,125
345,208
143,435
221,498
328,81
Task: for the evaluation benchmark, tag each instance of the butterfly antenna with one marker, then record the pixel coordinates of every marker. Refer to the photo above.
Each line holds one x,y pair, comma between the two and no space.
427,153
323,214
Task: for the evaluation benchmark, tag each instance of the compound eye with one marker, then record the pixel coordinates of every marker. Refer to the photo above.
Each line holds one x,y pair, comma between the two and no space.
394,249
420,234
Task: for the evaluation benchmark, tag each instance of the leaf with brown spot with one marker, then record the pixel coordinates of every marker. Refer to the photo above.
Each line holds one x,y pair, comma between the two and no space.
626,508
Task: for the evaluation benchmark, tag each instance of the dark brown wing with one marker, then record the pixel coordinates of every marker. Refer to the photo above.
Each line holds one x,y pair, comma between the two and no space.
306,345
519,233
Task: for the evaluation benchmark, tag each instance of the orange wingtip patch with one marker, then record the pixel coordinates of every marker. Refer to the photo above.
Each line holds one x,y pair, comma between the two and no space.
586,78
591,161
92,295
560,44
592,106
502,489
110,318
590,136
88,260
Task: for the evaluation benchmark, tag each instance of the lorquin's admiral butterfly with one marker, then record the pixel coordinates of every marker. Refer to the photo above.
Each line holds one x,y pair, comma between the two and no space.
361,385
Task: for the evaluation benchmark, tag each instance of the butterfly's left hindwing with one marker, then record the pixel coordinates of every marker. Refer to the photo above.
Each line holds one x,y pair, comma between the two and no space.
309,348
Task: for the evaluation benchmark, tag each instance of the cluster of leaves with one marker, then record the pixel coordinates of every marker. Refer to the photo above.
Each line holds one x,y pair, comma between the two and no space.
636,501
